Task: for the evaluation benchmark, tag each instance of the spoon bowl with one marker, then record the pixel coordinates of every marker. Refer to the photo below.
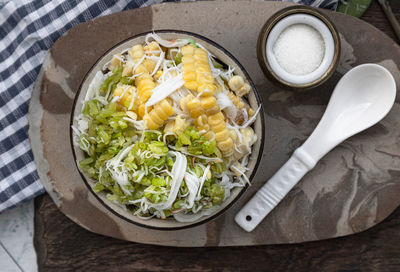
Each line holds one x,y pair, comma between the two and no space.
362,98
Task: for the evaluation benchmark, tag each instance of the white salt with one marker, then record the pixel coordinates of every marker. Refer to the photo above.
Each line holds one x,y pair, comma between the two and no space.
299,49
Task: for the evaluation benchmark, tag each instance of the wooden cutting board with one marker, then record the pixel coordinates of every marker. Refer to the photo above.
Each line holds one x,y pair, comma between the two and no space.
351,189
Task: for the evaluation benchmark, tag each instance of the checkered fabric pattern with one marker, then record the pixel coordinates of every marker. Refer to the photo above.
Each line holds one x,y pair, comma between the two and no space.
27,30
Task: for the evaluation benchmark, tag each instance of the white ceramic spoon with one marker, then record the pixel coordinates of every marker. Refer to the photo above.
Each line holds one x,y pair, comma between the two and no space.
362,98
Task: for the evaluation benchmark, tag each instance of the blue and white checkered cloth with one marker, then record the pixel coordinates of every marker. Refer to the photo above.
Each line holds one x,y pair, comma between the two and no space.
27,30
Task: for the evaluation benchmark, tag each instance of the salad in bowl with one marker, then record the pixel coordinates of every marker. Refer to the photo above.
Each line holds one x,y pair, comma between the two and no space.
165,128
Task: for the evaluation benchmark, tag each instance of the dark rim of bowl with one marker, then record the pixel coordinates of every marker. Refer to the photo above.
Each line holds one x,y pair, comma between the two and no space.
262,41
261,113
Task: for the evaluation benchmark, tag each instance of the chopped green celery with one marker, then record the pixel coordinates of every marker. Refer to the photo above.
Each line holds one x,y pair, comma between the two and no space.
86,162
98,187
158,181
146,181
178,58
151,136
194,134
112,197
90,171
131,165
153,162
178,204
103,137
170,162
184,139
218,167
118,123
195,150
126,80
198,171
209,148
117,190
111,80
158,148
217,193
178,144
167,213
154,198
91,108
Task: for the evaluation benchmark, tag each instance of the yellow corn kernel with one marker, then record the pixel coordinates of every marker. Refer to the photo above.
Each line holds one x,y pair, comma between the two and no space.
237,84
136,52
216,119
183,102
142,110
226,146
158,75
128,68
149,64
209,104
159,114
237,101
194,107
151,47
250,112
187,50
203,127
115,62
169,126
124,92
180,124
222,135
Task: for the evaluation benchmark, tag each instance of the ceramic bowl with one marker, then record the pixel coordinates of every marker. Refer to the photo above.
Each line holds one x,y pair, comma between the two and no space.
270,32
253,98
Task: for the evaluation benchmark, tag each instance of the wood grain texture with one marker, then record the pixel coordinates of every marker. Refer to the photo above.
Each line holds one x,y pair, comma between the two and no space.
376,17
64,246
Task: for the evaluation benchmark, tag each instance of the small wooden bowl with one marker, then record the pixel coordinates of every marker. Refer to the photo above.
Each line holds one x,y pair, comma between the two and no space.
280,21
258,126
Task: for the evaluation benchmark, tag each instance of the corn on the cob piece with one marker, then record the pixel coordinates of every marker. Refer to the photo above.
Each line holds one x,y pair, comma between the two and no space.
196,70
145,84
159,114
222,135
237,84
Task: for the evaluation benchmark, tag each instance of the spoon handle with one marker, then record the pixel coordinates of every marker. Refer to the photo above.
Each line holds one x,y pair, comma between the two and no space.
275,190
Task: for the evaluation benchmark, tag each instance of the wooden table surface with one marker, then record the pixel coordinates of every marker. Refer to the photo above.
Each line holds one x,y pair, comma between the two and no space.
62,245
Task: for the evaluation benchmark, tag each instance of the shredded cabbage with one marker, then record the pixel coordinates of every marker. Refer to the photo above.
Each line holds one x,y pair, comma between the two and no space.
170,172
